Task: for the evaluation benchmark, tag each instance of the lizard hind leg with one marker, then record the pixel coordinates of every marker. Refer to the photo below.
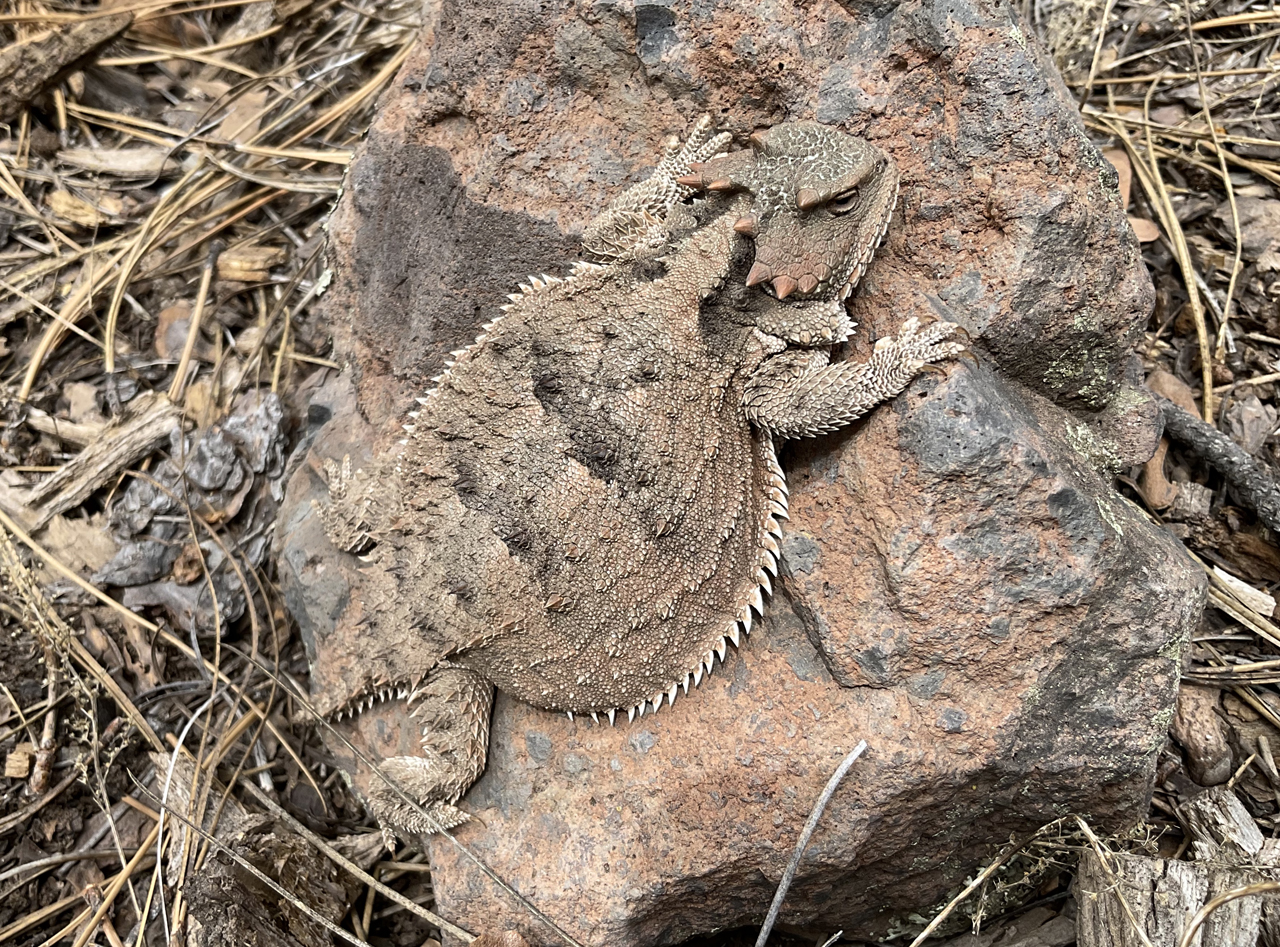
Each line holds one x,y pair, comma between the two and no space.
452,707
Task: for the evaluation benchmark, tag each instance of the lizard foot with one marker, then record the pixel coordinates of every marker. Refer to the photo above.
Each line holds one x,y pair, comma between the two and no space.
926,343
634,224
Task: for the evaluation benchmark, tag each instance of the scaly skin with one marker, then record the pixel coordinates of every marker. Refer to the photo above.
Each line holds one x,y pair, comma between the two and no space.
586,510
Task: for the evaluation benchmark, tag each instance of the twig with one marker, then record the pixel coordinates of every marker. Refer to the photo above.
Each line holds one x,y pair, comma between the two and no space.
805,834
977,882
35,805
1252,481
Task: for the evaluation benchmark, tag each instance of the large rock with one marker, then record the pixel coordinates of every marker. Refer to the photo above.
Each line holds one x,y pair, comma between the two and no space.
962,589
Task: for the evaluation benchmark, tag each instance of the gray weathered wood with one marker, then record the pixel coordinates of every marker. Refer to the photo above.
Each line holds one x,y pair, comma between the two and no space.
1134,901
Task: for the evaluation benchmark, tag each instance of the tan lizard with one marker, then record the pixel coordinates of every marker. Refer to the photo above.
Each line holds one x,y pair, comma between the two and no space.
586,509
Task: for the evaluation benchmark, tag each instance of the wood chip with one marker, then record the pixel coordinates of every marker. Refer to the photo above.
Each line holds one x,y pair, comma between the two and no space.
1256,599
66,206
17,765
250,264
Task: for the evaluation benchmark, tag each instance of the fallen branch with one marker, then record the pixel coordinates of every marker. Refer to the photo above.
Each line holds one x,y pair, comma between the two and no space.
1253,481
26,69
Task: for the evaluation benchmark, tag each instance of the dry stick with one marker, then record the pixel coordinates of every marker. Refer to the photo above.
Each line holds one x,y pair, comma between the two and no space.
1251,480
43,864
40,916
1183,76
1226,180
1239,19
31,808
1172,131
1258,887
193,330
1174,229
805,834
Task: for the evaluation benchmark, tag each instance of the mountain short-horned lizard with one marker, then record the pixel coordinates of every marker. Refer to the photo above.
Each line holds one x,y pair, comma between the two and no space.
586,508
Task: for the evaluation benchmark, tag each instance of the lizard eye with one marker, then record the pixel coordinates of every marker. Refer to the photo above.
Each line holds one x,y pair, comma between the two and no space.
843,203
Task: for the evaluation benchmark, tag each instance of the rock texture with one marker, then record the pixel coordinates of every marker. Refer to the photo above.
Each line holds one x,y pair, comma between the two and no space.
963,590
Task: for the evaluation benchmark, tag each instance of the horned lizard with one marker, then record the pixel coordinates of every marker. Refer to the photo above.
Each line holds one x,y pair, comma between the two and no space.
586,508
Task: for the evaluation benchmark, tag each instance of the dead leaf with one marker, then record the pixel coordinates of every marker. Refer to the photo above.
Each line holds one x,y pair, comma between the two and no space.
1144,230
172,325
1250,423
85,874
242,122
1259,225
1119,159
1156,488
82,545
1174,388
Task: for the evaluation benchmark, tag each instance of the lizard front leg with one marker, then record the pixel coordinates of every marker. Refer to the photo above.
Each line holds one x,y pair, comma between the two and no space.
452,707
797,393
634,221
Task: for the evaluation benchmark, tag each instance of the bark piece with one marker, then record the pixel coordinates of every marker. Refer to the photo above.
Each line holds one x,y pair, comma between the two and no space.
1202,734
27,68
147,423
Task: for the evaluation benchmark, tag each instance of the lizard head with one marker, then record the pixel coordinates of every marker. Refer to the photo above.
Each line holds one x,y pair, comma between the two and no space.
821,202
